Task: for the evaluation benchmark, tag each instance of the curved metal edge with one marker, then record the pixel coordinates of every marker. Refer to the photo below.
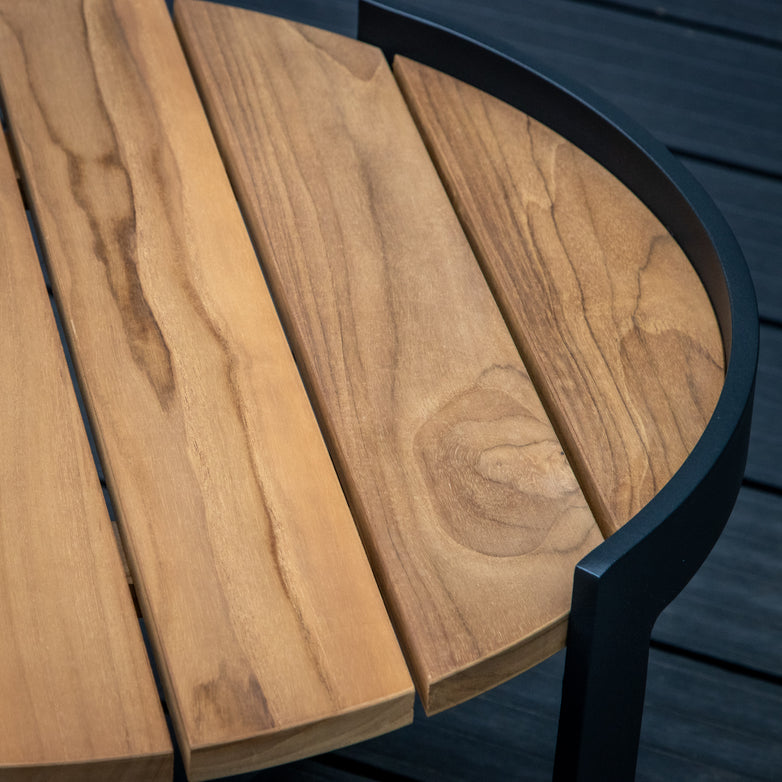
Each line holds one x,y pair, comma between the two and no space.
620,588
608,135
661,182
615,605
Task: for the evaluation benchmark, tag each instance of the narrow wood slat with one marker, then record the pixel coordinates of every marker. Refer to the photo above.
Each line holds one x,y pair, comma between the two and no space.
468,507
77,697
612,320
270,633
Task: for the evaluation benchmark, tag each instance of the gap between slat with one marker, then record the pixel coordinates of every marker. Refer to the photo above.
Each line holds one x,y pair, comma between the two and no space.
67,354
608,314
463,372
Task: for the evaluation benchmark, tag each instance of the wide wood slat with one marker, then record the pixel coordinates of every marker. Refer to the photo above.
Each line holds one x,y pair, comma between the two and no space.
611,318
77,697
467,505
271,636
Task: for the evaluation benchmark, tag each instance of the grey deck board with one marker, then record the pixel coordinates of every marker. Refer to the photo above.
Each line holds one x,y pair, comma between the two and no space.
310,770
507,733
732,609
700,723
698,92
764,464
752,206
715,724
761,19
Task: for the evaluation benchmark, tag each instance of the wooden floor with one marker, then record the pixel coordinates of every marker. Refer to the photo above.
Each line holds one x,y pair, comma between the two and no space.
705,76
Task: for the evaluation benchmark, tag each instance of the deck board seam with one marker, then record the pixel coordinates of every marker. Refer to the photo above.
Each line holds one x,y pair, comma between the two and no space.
676,20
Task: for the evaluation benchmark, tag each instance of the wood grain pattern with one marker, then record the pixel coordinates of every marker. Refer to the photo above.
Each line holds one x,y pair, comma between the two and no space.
612,321
76,688
270,633
466,502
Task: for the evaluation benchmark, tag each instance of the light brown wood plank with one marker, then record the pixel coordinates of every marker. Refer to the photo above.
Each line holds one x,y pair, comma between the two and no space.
472,516
611,318
77,697
271,636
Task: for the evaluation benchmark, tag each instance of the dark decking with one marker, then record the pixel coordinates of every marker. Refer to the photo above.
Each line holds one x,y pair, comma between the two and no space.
705,76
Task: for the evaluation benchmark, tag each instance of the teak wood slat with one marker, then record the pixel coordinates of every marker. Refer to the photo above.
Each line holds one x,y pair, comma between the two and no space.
270,634
77,697
467,505
612,320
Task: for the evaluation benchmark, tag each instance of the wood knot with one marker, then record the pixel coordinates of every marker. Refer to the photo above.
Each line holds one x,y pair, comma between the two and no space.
493,466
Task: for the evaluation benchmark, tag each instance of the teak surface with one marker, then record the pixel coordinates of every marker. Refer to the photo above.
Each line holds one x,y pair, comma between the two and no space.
470,512
77,697
613,323
269,630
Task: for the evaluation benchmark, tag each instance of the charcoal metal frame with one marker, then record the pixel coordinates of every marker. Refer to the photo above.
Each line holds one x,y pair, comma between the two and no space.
620,588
